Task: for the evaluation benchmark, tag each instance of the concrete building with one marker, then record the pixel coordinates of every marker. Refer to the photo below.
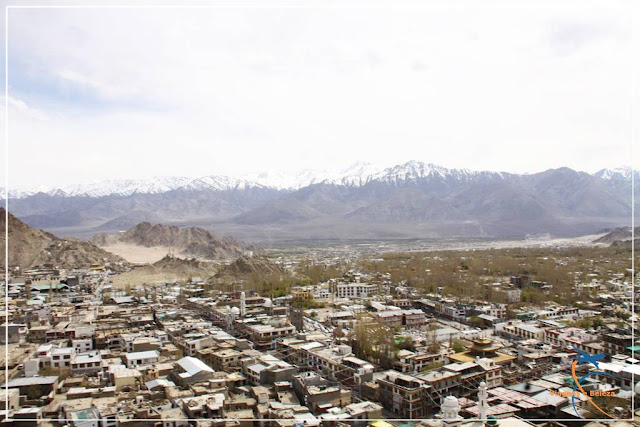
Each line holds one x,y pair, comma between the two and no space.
141,358
86,363
355,290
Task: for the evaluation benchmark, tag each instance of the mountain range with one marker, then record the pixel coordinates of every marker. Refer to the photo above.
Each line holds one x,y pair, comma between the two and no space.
411,200
357,174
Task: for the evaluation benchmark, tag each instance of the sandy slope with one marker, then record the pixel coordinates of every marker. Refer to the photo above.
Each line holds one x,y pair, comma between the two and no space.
137,254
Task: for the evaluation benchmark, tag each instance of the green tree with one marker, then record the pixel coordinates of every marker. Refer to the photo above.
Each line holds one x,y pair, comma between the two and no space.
374,341
476,322
458,346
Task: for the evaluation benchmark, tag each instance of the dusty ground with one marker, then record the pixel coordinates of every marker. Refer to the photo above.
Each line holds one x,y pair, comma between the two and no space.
17,353
137,254
536,242
149,275
137,278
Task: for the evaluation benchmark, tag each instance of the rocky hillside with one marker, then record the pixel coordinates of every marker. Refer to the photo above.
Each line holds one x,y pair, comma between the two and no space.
244,266
190,241
30,247
617,235
625,244
180,266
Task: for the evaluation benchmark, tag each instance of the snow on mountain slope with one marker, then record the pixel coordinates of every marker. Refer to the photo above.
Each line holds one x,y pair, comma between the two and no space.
415,171
120,187
357,174
217,183
621,173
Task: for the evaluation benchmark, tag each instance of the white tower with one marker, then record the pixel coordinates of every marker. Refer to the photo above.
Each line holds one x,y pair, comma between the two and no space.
450,410
482,401
243,304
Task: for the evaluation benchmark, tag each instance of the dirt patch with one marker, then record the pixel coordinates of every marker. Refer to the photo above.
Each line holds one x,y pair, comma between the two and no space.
137,254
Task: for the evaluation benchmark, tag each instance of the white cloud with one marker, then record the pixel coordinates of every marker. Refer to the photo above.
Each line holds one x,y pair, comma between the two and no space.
143,92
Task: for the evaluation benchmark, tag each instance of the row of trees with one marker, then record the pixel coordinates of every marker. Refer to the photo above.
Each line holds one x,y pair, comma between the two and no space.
467,273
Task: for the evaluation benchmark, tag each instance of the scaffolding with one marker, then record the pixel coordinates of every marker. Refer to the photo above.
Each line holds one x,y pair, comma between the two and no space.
532,371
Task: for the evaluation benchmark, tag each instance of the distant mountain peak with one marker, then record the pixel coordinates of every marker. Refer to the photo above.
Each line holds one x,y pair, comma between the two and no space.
357,174
619,173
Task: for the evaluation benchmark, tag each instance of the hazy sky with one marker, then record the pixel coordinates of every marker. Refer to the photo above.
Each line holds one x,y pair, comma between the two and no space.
517,86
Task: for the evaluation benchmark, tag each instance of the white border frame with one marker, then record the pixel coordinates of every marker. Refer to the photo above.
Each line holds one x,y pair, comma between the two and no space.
292,6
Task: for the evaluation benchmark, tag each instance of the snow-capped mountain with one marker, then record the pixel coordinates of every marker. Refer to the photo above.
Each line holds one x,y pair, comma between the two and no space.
355,175
415,171
117,187
622,173
217,183
413,199
126,187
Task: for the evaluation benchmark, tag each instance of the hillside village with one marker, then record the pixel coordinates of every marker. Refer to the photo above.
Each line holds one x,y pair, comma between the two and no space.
347,343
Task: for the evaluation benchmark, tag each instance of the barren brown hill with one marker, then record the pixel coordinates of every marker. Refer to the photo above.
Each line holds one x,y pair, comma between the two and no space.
618,235
179,266
625,244
244,266
30,247
191,241
168,268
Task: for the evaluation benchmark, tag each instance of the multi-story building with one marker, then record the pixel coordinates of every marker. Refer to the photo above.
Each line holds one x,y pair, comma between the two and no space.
403,318
573,337
410,361
86,363
82,344
403,395
617,343
316,393
559,312
355,290
263,331
522,330
141,358
267,370
226,359
335,363
61,357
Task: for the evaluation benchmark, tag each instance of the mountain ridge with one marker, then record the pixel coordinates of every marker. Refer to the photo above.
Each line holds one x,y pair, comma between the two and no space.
357,174
415,199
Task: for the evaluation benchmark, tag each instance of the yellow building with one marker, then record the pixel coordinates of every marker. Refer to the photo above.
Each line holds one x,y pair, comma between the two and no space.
302,295
96,266
483,348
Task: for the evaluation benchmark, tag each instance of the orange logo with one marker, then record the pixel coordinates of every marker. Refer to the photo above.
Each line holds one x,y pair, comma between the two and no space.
593,359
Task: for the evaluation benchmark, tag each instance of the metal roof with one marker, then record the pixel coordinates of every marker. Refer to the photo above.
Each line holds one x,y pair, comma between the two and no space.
193,366
24,382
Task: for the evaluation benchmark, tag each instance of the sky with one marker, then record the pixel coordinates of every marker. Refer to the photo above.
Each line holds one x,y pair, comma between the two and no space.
239,88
